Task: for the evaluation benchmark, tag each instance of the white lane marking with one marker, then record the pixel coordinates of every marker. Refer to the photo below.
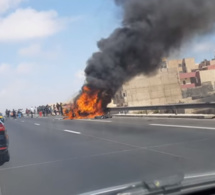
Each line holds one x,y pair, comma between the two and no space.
92,120
22,121
181,126
197,176
37,124
75,132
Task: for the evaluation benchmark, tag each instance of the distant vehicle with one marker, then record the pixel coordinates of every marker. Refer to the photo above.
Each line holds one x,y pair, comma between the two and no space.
4,153
1,117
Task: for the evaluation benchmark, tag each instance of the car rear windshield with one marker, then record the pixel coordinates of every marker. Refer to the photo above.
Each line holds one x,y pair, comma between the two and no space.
2,134
2,138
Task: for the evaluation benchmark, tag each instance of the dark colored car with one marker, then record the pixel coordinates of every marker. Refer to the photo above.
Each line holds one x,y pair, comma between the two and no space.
103,116
4,153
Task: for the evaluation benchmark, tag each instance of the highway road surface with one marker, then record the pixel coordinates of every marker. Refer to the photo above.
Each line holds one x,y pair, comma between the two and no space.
55,157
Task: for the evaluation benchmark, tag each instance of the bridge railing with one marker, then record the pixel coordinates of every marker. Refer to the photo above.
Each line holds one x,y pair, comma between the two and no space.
173,107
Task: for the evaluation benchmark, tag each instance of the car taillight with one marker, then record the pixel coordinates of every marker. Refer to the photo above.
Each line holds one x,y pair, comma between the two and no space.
2,127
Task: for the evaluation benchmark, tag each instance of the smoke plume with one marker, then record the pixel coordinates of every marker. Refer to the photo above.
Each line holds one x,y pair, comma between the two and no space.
150,30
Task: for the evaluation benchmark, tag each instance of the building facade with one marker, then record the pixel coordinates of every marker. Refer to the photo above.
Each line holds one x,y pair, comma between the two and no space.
187,69
208,76
176,81
162,88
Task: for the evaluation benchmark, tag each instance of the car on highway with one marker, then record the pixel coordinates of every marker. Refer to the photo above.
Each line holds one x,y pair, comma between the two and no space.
4,143
177,184
2,118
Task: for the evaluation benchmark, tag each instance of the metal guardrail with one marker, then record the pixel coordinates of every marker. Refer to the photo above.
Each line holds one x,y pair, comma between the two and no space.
173,107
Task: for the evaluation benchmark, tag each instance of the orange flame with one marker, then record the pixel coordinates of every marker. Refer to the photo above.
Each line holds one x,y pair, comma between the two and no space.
87,105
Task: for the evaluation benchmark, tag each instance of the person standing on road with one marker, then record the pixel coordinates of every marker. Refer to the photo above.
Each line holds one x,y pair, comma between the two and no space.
26,111
14,114
50,109
61,108
7,113
32,111
54,108
58,108
55,112
43,110
19,114
47,110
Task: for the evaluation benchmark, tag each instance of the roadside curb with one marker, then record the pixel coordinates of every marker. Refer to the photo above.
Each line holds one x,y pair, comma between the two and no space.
192,116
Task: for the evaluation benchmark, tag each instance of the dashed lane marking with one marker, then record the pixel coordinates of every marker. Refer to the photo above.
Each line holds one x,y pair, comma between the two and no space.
37,124
74,132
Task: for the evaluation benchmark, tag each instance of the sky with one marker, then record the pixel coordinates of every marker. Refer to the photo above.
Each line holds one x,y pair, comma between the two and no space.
45,44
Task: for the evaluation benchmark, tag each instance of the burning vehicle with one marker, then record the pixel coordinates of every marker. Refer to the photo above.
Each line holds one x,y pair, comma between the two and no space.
90,103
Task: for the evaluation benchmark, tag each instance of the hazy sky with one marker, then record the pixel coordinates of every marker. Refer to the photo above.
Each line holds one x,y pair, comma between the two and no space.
44,46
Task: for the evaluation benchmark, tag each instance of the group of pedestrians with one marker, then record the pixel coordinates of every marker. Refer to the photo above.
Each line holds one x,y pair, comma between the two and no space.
31,111
44,110
49,110
14,114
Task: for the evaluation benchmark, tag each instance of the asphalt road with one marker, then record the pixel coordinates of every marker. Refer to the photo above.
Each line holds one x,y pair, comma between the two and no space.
56,157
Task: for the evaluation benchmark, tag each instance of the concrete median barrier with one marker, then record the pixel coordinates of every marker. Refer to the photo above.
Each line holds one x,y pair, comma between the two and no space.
195,116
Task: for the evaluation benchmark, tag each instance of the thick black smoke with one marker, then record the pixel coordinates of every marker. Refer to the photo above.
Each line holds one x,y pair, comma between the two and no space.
150,30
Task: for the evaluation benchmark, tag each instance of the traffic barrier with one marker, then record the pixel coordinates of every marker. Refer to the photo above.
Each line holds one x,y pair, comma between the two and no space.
173,107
